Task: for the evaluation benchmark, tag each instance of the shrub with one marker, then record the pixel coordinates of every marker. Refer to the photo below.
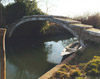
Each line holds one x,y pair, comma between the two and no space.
60,75
93,19
93,66
93,72
81,65
75,73
80,78
67,72
73,67
65,68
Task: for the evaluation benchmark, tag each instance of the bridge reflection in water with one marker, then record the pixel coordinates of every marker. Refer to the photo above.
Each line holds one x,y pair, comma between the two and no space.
29,61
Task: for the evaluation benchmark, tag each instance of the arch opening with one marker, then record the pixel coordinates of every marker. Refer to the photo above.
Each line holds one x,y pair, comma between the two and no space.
24,20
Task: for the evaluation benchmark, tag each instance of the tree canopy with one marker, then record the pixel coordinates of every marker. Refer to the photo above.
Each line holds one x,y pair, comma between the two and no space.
15,11
2,13
20,8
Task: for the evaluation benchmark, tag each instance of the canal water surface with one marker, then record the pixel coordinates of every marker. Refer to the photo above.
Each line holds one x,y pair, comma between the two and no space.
29,60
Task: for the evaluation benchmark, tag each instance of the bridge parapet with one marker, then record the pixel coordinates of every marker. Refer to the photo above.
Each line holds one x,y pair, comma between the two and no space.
58,18
82,26
45,16
80,31
63,21
93,31
86,32
67,21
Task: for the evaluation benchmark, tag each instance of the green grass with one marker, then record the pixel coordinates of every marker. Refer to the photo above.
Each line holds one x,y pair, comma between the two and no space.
66,72
86,63
87,54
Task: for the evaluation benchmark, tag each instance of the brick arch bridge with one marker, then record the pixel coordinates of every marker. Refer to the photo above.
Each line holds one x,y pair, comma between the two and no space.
81,31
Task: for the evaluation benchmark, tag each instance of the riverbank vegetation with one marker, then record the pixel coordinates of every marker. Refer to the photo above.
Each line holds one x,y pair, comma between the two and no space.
67,72
85,65
90,19
79,71
24,8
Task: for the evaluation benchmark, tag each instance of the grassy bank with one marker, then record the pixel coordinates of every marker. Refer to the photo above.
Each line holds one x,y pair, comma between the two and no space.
86,64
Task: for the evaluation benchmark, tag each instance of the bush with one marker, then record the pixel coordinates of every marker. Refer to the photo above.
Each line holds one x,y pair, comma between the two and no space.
2,15
75,73
67,72
65,68
60,75
21,8
93,66
93,72
15,9
93,19
80,78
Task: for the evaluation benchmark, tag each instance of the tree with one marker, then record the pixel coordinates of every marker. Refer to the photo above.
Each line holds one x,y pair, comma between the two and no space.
15,11
21,8
2,22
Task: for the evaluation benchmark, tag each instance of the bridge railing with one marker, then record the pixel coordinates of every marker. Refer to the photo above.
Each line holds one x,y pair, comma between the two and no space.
45,16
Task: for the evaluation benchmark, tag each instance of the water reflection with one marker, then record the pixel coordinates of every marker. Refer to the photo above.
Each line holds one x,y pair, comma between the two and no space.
11,70
28,61
54,51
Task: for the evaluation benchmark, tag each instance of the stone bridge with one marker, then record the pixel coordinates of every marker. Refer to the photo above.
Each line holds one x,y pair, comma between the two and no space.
81,31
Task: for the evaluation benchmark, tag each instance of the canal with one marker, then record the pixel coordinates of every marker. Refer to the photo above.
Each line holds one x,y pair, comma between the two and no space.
29,59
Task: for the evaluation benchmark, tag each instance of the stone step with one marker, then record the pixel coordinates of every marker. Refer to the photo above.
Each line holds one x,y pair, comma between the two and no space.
69,21
93,31
83,26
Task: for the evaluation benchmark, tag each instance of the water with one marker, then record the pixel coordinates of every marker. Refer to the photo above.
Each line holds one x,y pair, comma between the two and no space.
26,60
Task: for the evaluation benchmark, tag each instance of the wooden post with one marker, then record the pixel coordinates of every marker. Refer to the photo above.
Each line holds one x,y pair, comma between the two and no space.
2,53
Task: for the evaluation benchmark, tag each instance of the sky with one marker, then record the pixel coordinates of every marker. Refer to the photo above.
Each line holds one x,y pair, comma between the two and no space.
68,8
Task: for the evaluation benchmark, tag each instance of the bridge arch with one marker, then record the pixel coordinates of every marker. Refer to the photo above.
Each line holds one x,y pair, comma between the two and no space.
56,19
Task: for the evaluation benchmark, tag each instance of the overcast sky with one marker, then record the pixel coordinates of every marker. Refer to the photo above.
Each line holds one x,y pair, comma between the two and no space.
69,7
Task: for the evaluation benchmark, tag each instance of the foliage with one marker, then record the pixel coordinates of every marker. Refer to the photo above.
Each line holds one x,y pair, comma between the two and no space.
31,7
2,13
87,54
14,12
93,72
46,27
93,19
65,68
21,8
66,72
60,75
80,78
75,73
93,66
